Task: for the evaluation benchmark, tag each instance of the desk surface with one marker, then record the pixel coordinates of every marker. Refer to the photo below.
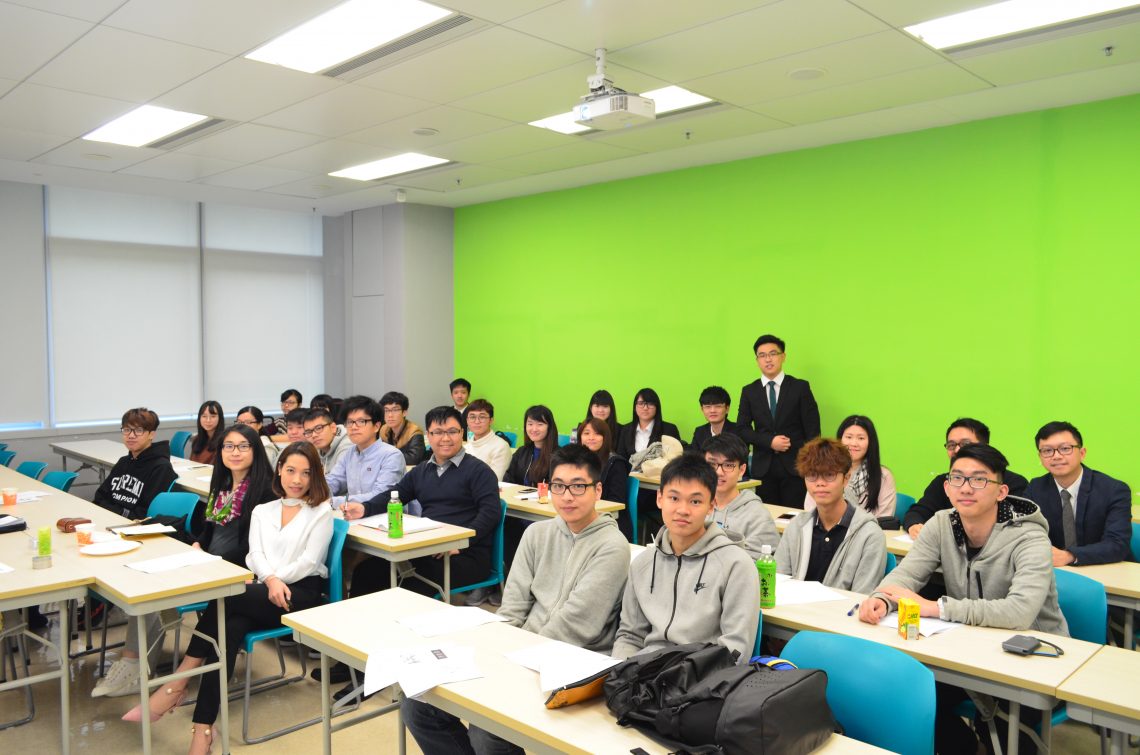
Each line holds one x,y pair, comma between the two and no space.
1121,578
1107,681
509,493
508,694
379,540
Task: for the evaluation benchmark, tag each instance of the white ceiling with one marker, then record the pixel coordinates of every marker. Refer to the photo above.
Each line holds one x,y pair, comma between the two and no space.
68,66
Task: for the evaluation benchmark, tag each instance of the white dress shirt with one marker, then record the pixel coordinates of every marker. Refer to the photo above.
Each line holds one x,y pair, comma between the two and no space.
641,437
292,552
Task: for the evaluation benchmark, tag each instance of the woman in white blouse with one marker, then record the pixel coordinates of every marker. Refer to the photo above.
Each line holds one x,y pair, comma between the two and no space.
288,544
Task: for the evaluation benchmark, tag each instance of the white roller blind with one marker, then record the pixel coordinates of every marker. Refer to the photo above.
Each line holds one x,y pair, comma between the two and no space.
125,305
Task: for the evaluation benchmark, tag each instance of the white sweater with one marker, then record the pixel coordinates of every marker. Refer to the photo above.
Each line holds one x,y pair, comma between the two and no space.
492,451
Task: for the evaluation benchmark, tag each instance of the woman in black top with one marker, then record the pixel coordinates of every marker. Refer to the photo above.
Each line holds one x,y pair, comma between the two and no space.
530,464
242,479
602,406
646,415
595,435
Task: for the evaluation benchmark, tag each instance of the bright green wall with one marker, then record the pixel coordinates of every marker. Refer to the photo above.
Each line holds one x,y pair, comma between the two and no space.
987,269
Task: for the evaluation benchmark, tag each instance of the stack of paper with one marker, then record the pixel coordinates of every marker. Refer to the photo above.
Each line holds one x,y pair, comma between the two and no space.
559,663
926,626
450,619
903,539
791,592
412,524
181,560
28,496
4,569
418,669
144,530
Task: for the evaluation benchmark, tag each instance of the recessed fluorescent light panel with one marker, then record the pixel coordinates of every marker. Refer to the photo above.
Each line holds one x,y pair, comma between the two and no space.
563,123
144,125
1010,17
390,166
670,98
346,31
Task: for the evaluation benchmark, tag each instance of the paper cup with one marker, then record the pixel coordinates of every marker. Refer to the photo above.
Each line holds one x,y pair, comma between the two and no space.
9,496
83,533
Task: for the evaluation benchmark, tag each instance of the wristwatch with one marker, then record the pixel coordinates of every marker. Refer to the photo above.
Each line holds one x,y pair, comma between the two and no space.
942,608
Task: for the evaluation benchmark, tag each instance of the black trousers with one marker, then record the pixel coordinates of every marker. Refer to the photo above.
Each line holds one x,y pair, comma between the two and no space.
780,486
245,613
374,574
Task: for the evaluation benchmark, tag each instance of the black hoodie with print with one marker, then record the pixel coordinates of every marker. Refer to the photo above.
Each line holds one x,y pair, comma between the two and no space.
134,482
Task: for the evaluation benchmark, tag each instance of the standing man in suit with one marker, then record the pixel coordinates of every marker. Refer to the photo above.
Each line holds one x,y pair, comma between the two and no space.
777,415
1089,513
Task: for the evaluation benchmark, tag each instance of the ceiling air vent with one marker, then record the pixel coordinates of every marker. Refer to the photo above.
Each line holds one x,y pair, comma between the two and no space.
192,134
447,30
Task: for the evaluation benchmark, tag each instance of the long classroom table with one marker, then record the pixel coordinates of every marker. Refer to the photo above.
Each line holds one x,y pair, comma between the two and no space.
1104,692
101,455
537,511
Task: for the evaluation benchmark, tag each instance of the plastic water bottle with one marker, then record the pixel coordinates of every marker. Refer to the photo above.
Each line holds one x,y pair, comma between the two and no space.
396,516
766,565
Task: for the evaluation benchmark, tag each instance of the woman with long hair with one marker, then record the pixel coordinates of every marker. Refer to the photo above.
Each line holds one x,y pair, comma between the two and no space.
647,426
241,480
204,444
530,464
871,485
602,406
594,434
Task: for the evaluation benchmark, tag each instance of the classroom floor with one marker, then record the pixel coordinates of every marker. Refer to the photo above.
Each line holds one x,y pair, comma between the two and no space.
96,724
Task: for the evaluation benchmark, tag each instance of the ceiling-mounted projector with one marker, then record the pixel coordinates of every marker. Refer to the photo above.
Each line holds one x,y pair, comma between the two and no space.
606,107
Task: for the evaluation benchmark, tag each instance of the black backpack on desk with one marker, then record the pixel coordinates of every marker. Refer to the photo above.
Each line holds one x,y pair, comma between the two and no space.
698,700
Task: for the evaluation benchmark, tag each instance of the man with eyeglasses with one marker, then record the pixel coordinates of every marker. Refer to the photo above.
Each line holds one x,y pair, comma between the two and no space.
484,444
330,438
994,554
143,473
962,432
777,415
370,466
290,401
566,584
740,513
1089,513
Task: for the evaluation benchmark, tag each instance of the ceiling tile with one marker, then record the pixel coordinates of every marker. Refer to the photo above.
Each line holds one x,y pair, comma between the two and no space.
516,140
180,167
99,156
29,38
53,111
497,10
585,26
688,129
768,32
113,63
223,25
445,179
24,145
842,63
906,12
343,110
88,10
919,85
570,156
249,142
472,64
317,187
254,177
451,123
327,157
246,89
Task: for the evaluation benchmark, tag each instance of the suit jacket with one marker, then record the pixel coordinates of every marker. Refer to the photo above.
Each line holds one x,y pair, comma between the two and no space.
702,433
797,416
1104,516
628,436
934,498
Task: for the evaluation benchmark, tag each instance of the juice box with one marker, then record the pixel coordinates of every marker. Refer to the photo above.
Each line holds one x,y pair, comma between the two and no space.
908,619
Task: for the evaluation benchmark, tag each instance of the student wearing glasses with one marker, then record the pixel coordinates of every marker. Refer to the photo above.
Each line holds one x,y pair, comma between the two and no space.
330,438
370,465
398,431
204,444
838,544
484,444
253,418
994,554
647,426
143,473
1089,513
290,400
740,513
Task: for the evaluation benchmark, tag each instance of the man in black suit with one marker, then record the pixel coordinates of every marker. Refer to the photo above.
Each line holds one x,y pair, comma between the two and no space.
715,403
1089,513
777,415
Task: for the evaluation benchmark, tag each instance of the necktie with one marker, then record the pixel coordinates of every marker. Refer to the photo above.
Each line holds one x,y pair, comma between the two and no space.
1068,520
772,396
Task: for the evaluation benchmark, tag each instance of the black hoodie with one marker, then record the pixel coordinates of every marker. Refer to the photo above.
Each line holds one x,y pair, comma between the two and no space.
134,482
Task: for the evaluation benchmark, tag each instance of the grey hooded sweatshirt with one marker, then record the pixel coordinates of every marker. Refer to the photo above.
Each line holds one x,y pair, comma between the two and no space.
859,563
568,587
710,593
747,521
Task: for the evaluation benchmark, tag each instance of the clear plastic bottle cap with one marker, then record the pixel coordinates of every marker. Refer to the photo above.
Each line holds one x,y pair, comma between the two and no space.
396,497
766,550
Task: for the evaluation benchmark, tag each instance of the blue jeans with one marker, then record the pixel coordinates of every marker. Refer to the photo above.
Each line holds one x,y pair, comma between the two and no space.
440,733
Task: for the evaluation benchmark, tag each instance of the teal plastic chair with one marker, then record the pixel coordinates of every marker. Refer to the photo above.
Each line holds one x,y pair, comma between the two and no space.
497,576
861,675
903,502
1085,606
60,480
1136,541
174,504
3,446
563,440
892,562
509,437
178,443
335,591
32,469
632,488
6,458
759,629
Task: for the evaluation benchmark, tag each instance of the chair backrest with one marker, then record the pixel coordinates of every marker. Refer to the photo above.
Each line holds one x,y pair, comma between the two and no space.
892,562
632,488
864,680
333,561
1136,541
497,570
3,446
903,502
1084,604
60,479
563,440
509,437
32,469
178,443
6,458
174,504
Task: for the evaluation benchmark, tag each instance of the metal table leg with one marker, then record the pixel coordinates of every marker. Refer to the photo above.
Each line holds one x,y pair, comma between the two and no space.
223,679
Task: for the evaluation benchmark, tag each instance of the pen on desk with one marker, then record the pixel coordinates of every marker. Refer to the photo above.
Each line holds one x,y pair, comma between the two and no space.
854,608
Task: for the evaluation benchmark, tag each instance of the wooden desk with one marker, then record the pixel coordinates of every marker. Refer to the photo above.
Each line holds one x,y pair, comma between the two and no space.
1122,588
416,545
101,455
969,657
653,482
534,511
895,546
506,701
1103,692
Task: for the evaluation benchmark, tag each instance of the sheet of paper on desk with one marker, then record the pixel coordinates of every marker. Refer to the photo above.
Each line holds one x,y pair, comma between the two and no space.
28,496
446,620
204,478
903,539
926,626
191,557
4,568
145,529
418,669
527,496
412,524
792,592
559,663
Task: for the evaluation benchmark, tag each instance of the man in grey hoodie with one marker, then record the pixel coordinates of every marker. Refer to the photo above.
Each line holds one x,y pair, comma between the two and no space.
694,584
835,543
995,555
565,583
740,513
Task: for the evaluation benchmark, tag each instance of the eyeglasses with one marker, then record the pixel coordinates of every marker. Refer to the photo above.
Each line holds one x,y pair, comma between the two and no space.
768,354
727,466
642,404
825,477
477,417
952,446
576,488
977,483
451,432
249,422
314,431
393,410
357,422
132,432
289,402
1065,450
231,447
